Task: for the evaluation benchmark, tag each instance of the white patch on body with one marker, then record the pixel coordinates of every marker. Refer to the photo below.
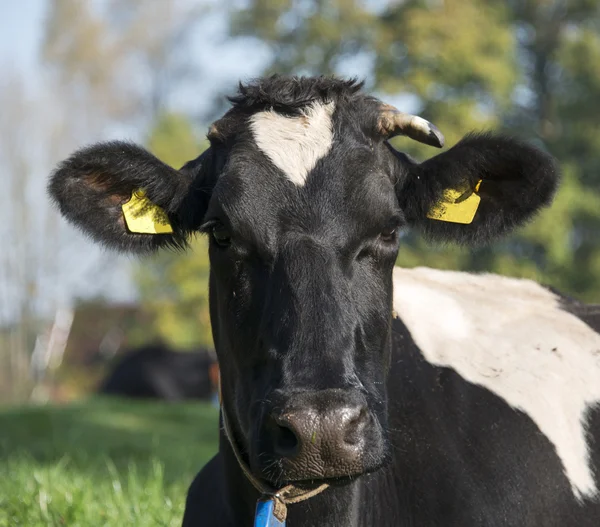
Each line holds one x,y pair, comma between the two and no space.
511,337
295,144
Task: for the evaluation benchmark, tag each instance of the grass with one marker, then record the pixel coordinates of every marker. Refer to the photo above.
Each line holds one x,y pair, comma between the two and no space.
101,463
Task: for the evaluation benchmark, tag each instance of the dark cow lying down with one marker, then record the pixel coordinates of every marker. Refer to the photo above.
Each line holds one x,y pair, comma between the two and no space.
353,393
157,372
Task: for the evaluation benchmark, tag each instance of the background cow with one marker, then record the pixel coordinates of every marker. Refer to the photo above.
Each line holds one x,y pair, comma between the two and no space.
157,372
474,405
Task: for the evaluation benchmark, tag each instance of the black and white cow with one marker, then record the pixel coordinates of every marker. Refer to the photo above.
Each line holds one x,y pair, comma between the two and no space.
373,395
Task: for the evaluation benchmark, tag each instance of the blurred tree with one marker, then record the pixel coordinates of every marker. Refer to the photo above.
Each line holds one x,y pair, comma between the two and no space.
531,68
457,58
118,59
174,286
173,139
312,37
457,61
32,270
18,266
83,57
118,63
560,93
102,64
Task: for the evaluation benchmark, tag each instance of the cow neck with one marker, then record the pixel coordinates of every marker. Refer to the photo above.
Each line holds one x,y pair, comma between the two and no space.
281,497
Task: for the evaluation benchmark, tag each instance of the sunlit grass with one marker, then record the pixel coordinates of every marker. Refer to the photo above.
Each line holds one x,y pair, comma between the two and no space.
101,463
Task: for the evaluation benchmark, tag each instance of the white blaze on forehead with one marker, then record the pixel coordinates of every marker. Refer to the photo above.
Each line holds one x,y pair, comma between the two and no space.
511,337
295,144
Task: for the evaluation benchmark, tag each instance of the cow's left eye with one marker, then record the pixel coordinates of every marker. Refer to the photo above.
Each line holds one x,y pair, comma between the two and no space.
388,235
221,236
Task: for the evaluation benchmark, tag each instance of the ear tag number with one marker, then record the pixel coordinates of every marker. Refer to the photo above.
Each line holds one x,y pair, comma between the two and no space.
144,217
265,514
457,206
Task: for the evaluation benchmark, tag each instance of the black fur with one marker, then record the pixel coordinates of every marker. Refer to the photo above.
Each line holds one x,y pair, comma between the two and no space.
461,457
91,186
289,95
517,178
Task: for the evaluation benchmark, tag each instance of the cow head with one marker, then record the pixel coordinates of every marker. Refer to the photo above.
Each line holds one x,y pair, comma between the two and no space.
302,198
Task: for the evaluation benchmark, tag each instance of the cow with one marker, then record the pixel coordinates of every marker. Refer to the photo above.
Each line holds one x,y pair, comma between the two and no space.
155,371
354,393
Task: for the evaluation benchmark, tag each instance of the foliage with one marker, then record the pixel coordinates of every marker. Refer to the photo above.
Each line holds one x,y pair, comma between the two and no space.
174,289
174,286
313,37
173,139
97,50
456,57
101,462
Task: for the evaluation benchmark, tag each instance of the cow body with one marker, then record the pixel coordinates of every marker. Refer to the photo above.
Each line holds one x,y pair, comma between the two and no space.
157,372
418,397
464,452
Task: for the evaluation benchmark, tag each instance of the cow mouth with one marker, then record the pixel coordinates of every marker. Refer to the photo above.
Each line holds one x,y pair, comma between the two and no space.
316,471
311,482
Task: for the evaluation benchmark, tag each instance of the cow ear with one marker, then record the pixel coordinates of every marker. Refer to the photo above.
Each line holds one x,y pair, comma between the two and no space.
477,191
126,199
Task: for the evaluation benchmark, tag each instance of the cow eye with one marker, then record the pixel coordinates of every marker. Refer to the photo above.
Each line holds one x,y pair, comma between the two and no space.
221,236
388,235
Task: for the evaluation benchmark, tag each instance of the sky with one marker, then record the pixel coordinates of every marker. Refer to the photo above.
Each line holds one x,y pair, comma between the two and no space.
222,61
20,33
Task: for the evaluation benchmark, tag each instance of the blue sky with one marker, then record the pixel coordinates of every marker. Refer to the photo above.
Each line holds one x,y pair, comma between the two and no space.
21,23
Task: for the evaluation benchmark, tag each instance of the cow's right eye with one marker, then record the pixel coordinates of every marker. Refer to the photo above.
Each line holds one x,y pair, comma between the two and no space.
221,236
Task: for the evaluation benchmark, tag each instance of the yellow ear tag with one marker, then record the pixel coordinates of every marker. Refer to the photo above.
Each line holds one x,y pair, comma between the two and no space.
144,217
457,206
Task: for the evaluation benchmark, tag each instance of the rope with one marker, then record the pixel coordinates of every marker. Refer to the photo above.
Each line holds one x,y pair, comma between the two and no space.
282,497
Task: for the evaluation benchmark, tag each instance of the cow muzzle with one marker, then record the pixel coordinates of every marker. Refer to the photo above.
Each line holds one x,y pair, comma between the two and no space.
329,434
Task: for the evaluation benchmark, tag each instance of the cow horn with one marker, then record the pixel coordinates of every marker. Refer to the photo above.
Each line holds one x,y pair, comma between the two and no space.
393,122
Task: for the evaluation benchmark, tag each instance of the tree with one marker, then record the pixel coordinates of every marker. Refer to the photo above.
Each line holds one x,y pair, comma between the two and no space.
174,286
30,265
100,66
312,37
118,63
560,48
101,52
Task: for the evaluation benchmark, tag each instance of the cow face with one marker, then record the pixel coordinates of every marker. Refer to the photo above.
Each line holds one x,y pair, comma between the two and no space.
303,198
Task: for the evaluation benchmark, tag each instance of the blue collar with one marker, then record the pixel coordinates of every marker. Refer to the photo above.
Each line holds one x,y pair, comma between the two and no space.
265,514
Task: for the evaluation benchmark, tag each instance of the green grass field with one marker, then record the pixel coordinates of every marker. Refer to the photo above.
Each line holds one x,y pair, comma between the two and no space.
101,463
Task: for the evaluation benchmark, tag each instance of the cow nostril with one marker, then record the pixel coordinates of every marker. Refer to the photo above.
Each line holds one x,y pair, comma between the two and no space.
286,441
355,426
